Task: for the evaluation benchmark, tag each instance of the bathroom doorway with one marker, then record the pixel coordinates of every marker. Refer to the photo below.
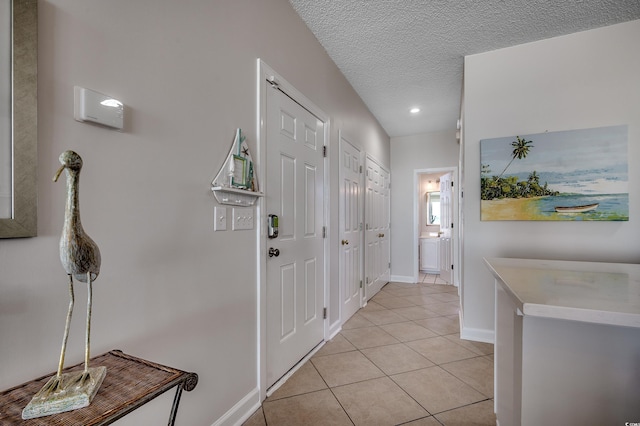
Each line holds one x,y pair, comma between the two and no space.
435,242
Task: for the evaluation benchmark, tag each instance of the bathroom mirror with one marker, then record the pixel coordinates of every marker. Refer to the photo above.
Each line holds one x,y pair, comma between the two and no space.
18,118
433,208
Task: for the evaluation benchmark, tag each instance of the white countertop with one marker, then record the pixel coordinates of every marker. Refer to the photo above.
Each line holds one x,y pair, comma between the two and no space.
429,235
601,293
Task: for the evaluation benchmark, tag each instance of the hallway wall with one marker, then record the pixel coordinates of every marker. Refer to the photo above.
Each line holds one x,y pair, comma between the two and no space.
170,289
579,81
408,153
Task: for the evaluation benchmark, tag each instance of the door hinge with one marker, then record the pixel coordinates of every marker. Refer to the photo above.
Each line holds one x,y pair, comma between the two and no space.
360,169
451,225
272,81
360,283
389,265
324,313
367,280
324,150
452,184
324,232
452,267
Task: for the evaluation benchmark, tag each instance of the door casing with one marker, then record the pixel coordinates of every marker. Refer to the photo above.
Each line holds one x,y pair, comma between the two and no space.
416,221
266,73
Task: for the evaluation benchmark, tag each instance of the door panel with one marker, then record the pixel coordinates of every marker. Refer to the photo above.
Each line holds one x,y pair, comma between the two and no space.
350,228
310,287
288,297
446,227
295,193
377,208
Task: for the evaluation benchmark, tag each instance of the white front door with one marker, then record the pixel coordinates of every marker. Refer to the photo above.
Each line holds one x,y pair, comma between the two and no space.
295,268
351,217
446,227
377,247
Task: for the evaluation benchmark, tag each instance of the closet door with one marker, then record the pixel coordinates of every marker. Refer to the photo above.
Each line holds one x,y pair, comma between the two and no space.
351,232
377,227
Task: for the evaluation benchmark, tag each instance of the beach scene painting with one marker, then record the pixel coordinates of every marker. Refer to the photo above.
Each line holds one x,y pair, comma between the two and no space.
574,175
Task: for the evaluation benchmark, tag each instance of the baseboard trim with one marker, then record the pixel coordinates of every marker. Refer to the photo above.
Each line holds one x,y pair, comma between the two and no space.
295,368
477,334
334,332
240,412
333,329
402,279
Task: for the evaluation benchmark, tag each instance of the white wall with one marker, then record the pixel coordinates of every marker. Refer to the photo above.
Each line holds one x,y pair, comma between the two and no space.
170,289
583,80
409,153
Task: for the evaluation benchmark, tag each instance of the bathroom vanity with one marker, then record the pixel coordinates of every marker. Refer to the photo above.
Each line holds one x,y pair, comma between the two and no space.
567,342
430,254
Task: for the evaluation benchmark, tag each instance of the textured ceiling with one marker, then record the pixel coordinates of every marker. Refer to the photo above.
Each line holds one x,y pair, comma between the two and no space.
398,54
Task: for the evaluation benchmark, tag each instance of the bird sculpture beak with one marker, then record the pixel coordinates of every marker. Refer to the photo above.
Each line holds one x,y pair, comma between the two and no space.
58,173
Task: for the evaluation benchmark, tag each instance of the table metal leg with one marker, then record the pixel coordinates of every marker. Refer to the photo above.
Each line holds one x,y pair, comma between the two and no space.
174,408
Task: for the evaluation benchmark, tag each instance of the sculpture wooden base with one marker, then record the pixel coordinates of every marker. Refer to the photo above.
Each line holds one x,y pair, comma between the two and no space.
69,396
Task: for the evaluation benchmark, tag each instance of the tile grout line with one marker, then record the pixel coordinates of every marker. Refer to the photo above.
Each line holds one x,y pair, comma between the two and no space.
449,337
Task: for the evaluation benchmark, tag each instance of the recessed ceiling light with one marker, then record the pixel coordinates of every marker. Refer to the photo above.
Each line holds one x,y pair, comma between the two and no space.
414,110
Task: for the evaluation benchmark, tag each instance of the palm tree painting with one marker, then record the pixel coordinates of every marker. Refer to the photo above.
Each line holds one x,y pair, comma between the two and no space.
520,150
575,175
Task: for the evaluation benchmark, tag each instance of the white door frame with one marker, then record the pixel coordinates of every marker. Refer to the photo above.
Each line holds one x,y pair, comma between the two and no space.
416,221
265,72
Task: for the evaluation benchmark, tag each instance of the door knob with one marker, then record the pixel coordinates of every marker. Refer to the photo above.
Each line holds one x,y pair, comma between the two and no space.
273,252
381,235
345,242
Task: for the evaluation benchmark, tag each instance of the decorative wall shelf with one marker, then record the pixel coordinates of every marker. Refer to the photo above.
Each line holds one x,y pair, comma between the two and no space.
236,197
236,183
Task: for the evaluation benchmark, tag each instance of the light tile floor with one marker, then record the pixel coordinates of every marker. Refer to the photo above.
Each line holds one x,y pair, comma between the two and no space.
399,360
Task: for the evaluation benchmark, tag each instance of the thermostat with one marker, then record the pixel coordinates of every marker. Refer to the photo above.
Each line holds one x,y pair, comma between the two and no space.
95,107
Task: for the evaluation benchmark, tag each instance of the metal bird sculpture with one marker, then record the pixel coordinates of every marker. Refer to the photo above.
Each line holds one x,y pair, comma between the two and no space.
80,258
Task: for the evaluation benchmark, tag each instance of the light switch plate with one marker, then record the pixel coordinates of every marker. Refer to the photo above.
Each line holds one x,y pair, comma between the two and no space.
242,218
219,218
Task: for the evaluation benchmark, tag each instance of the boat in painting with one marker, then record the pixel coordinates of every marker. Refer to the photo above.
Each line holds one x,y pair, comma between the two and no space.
577,209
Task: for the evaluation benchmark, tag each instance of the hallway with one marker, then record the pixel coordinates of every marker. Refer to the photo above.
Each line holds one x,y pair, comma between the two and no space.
399,360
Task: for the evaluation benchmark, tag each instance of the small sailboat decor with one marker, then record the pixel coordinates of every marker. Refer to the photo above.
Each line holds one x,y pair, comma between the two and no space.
81,260
236,183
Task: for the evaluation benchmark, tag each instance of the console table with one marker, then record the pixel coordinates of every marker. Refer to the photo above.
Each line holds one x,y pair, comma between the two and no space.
567,346
130,383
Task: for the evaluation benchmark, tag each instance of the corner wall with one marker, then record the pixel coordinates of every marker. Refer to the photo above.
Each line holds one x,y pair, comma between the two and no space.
583,80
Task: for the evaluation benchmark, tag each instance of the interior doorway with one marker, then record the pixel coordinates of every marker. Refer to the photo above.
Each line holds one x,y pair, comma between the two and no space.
435,223
293,266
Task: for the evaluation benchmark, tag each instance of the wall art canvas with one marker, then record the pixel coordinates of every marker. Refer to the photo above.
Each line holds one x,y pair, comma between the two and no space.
574,175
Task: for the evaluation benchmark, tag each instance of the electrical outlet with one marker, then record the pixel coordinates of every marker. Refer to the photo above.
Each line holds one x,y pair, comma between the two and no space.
219,218
242,218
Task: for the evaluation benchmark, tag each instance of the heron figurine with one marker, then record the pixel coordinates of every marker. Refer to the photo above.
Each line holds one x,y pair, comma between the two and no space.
80,257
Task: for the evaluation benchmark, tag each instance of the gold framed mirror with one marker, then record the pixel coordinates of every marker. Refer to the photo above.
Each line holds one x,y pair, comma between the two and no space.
19,129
